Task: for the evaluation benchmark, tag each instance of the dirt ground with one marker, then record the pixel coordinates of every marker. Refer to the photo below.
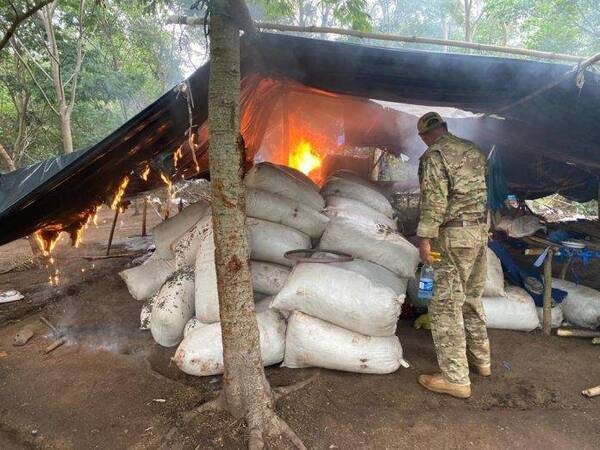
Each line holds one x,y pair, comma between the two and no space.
110,386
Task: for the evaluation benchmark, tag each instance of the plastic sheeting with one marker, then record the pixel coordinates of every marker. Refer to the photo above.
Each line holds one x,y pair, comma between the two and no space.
549,142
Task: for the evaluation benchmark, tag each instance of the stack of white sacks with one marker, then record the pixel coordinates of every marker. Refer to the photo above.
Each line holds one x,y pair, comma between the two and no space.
512,308
344,315
340,315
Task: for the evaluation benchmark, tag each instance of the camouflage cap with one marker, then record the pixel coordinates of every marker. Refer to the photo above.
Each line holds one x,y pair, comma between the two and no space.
429,121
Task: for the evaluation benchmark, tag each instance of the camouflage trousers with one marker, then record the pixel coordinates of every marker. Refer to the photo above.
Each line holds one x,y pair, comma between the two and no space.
456,312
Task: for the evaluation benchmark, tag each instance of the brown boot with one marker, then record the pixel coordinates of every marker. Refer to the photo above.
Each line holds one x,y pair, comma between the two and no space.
484,371
437,383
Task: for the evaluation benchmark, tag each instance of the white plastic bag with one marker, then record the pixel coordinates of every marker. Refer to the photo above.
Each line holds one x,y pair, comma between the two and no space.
582,305
187,247
376,273
516,311
191,325
167,233
268,278
276,208
556,316
146,314
312,342
494,282
342,297
355,210
201,351
145,280
272,178
270,241
173,307
350,189
377,244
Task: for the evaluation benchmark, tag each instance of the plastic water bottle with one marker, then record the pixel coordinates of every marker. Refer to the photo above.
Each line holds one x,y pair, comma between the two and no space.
426,283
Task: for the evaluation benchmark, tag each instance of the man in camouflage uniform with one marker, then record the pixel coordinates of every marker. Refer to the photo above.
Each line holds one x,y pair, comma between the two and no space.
452,221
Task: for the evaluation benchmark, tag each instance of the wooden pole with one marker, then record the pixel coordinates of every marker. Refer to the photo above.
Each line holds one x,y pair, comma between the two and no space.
591,392
144,215
547,317
112,230
585,62
575,332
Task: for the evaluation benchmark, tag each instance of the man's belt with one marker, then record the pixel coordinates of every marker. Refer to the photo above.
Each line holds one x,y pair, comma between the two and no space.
462,223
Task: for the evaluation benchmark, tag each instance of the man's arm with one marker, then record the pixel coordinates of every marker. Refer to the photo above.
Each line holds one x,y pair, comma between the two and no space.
434,196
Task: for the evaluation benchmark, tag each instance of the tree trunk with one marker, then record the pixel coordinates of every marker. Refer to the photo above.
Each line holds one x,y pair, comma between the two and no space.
246,390
65,129
468,32
8,161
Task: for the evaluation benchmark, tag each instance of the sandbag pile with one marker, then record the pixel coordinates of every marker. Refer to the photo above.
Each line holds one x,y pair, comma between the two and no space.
344,315
582,305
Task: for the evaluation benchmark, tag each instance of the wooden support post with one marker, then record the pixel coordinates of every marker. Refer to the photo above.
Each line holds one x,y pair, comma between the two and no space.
112,230
547,317
565,267
144,215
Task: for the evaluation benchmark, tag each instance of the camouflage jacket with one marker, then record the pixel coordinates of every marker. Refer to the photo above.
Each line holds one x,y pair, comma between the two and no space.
452,173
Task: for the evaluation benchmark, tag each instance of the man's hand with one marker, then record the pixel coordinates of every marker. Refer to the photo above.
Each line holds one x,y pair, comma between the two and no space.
425,251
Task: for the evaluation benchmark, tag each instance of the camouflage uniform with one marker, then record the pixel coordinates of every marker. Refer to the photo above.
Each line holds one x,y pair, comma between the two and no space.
452,172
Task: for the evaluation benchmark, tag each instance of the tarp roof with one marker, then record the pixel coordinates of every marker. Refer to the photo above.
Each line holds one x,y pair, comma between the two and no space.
550,140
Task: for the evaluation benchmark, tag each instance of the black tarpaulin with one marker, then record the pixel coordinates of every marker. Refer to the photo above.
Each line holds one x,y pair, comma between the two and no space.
548,142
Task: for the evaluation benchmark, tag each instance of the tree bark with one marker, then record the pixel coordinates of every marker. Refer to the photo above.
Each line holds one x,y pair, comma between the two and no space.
245,387
8,161
65,103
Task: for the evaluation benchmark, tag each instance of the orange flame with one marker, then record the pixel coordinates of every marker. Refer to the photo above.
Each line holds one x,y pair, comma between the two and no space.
46,241
120,192
145,173
304,158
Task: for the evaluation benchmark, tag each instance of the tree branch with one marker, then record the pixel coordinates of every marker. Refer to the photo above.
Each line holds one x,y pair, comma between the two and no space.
19,19
79,60
32,75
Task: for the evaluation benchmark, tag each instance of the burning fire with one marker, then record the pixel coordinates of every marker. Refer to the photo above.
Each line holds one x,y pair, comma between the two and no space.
305,159
120,192
145,173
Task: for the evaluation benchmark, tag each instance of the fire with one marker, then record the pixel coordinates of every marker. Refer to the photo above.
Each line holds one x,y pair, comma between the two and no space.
145,173
120,192
304,158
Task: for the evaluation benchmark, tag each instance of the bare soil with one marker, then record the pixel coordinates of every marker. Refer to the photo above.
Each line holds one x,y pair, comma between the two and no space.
110,386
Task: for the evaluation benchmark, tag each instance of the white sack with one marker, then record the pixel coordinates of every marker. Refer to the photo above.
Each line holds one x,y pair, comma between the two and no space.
300,176
145,280
187,247
355,210
342,297
276,208
556,316
350,189
268,278
516,311
270,241
376,273
312,342
582,305
191,325
494,282
201,352
377,244
272,178
146,314
173,307
167,233
352,176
